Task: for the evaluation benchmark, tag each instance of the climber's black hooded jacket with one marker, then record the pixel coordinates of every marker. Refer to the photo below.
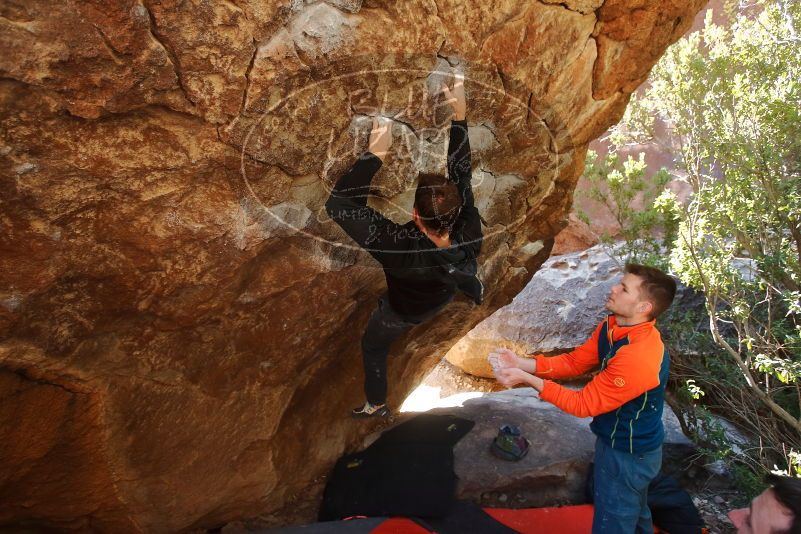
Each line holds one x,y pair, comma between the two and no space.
420,276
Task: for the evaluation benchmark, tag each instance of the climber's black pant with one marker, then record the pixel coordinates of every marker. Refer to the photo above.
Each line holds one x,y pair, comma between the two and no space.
384,327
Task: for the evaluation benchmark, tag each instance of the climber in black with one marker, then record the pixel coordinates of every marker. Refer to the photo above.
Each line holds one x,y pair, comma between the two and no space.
425,260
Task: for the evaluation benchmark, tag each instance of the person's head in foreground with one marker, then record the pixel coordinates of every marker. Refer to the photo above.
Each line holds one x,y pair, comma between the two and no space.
642,295
777,510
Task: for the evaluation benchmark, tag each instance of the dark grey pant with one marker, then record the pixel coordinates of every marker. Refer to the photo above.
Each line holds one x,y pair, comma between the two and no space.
384,327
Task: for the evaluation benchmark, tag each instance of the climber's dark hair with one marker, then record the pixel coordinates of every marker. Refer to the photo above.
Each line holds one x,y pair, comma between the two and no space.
438,202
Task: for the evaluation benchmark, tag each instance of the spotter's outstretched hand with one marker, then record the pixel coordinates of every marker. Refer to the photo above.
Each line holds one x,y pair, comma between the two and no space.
502,358
512,376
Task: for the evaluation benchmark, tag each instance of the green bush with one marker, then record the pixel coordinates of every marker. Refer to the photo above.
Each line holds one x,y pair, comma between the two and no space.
645,211
731,101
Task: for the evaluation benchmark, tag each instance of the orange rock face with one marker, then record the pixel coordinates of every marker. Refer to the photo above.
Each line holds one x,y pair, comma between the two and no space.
179,320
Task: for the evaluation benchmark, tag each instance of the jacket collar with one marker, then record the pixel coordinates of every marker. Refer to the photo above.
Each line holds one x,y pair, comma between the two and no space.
616,332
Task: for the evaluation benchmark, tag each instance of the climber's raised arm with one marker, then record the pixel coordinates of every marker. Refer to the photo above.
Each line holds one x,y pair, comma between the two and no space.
459,161
347,204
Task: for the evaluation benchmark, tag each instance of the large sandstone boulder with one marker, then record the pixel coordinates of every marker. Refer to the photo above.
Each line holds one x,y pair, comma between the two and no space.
177,313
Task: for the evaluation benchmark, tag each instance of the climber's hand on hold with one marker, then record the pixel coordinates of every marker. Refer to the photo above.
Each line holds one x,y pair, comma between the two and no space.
455,97
380,137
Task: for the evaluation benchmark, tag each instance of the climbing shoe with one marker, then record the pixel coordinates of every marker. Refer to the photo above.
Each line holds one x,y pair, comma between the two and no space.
509,444
370,410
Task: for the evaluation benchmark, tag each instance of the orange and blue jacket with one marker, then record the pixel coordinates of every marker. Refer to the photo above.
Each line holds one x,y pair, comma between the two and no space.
627,396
